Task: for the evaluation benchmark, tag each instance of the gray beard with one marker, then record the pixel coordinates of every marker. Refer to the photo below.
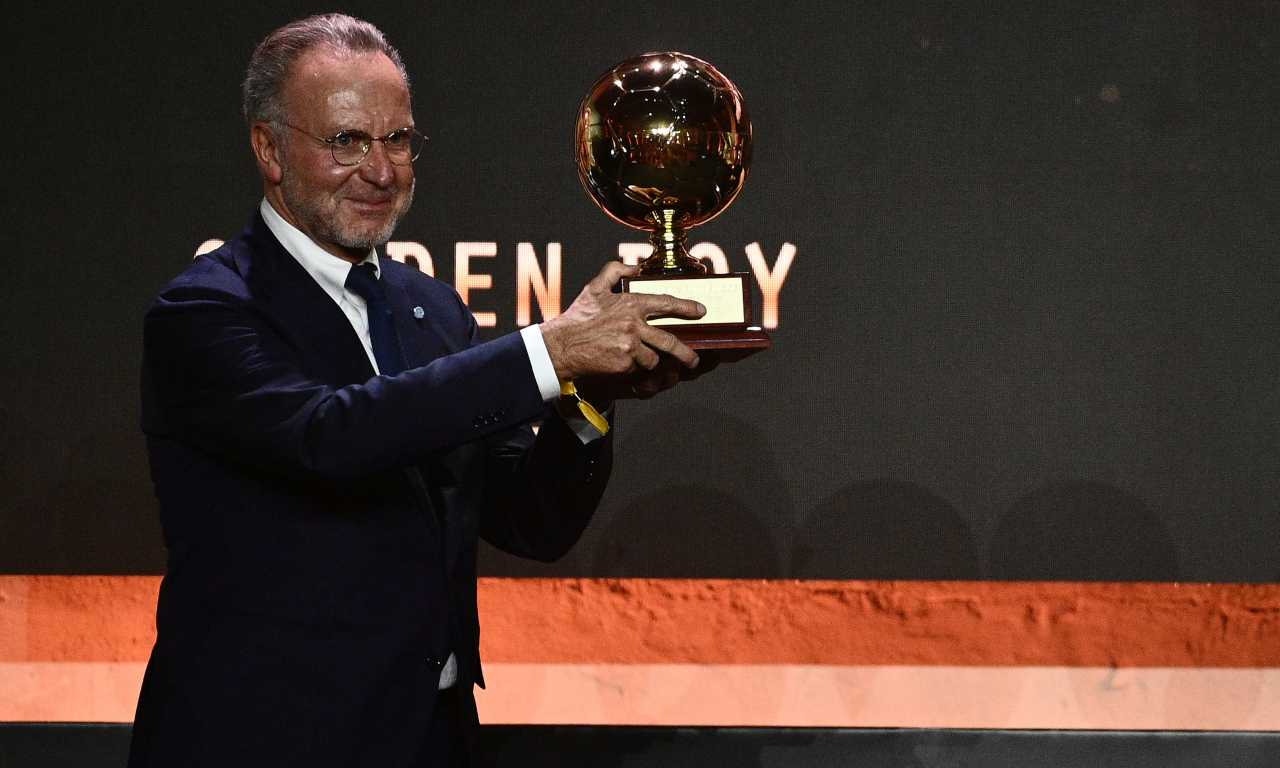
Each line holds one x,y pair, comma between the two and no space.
325,229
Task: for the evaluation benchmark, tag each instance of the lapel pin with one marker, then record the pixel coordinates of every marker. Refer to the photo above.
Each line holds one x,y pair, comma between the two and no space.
418,313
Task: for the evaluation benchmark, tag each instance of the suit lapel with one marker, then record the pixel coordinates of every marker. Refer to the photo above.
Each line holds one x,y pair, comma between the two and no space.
327,344
421,338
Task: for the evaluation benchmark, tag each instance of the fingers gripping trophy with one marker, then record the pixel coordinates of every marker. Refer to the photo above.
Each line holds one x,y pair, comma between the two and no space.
663,145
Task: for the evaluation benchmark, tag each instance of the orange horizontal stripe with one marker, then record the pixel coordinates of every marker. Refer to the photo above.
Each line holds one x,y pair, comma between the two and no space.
716,621
881,622
1158,698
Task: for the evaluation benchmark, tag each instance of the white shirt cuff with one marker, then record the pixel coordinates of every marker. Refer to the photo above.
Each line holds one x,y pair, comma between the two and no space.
543,371
549,385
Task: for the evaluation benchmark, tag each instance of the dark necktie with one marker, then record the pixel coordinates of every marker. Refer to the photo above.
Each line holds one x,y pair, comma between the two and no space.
363,281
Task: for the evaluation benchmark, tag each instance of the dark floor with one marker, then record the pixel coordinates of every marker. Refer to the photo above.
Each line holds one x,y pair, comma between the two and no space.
88,745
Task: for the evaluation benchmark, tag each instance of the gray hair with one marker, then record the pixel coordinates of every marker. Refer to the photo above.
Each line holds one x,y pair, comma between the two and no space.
273,58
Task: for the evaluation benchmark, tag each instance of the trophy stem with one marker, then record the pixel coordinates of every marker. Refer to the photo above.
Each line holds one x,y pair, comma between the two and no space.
669,255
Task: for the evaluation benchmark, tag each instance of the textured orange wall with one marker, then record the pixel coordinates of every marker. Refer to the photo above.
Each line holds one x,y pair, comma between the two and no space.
856,622
111,618
77,618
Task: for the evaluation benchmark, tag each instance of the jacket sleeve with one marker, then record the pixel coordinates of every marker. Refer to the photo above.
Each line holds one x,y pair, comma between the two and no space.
536,493
546,492
219,376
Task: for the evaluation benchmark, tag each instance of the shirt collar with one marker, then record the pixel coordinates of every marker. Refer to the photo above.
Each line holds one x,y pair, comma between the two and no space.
326,269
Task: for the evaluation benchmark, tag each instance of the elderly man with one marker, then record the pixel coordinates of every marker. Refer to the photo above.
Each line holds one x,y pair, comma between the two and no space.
328,439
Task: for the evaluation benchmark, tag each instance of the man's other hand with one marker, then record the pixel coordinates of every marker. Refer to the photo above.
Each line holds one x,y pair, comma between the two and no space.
642,384
607,334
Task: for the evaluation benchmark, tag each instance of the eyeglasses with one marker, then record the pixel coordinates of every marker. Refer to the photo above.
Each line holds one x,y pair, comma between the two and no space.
402,145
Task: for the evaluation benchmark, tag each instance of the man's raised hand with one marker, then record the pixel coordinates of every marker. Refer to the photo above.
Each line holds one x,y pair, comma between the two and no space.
607,334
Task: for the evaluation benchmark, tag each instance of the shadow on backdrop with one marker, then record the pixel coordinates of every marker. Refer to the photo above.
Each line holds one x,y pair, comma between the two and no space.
1082,531
31,533
686,531
699,514
708,514
885,529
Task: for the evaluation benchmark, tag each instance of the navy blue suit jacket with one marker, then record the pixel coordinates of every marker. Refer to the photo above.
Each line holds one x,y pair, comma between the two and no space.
321,522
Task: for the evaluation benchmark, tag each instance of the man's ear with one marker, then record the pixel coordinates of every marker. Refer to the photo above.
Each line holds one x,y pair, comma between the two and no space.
267,151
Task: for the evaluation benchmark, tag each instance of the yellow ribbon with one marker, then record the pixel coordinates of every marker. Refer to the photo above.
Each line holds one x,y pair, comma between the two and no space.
567,389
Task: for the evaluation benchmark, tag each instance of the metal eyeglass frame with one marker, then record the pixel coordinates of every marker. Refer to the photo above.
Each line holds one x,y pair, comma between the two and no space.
366,143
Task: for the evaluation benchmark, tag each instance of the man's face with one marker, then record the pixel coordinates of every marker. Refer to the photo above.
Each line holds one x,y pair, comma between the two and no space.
345,209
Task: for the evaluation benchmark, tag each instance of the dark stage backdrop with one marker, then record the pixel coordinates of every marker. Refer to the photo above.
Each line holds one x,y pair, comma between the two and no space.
1025,258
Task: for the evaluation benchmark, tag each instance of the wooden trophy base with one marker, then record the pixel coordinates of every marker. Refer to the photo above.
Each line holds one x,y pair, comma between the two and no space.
726,329
727,344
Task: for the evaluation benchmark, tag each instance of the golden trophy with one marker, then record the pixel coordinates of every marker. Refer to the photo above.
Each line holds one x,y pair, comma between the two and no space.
663,145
